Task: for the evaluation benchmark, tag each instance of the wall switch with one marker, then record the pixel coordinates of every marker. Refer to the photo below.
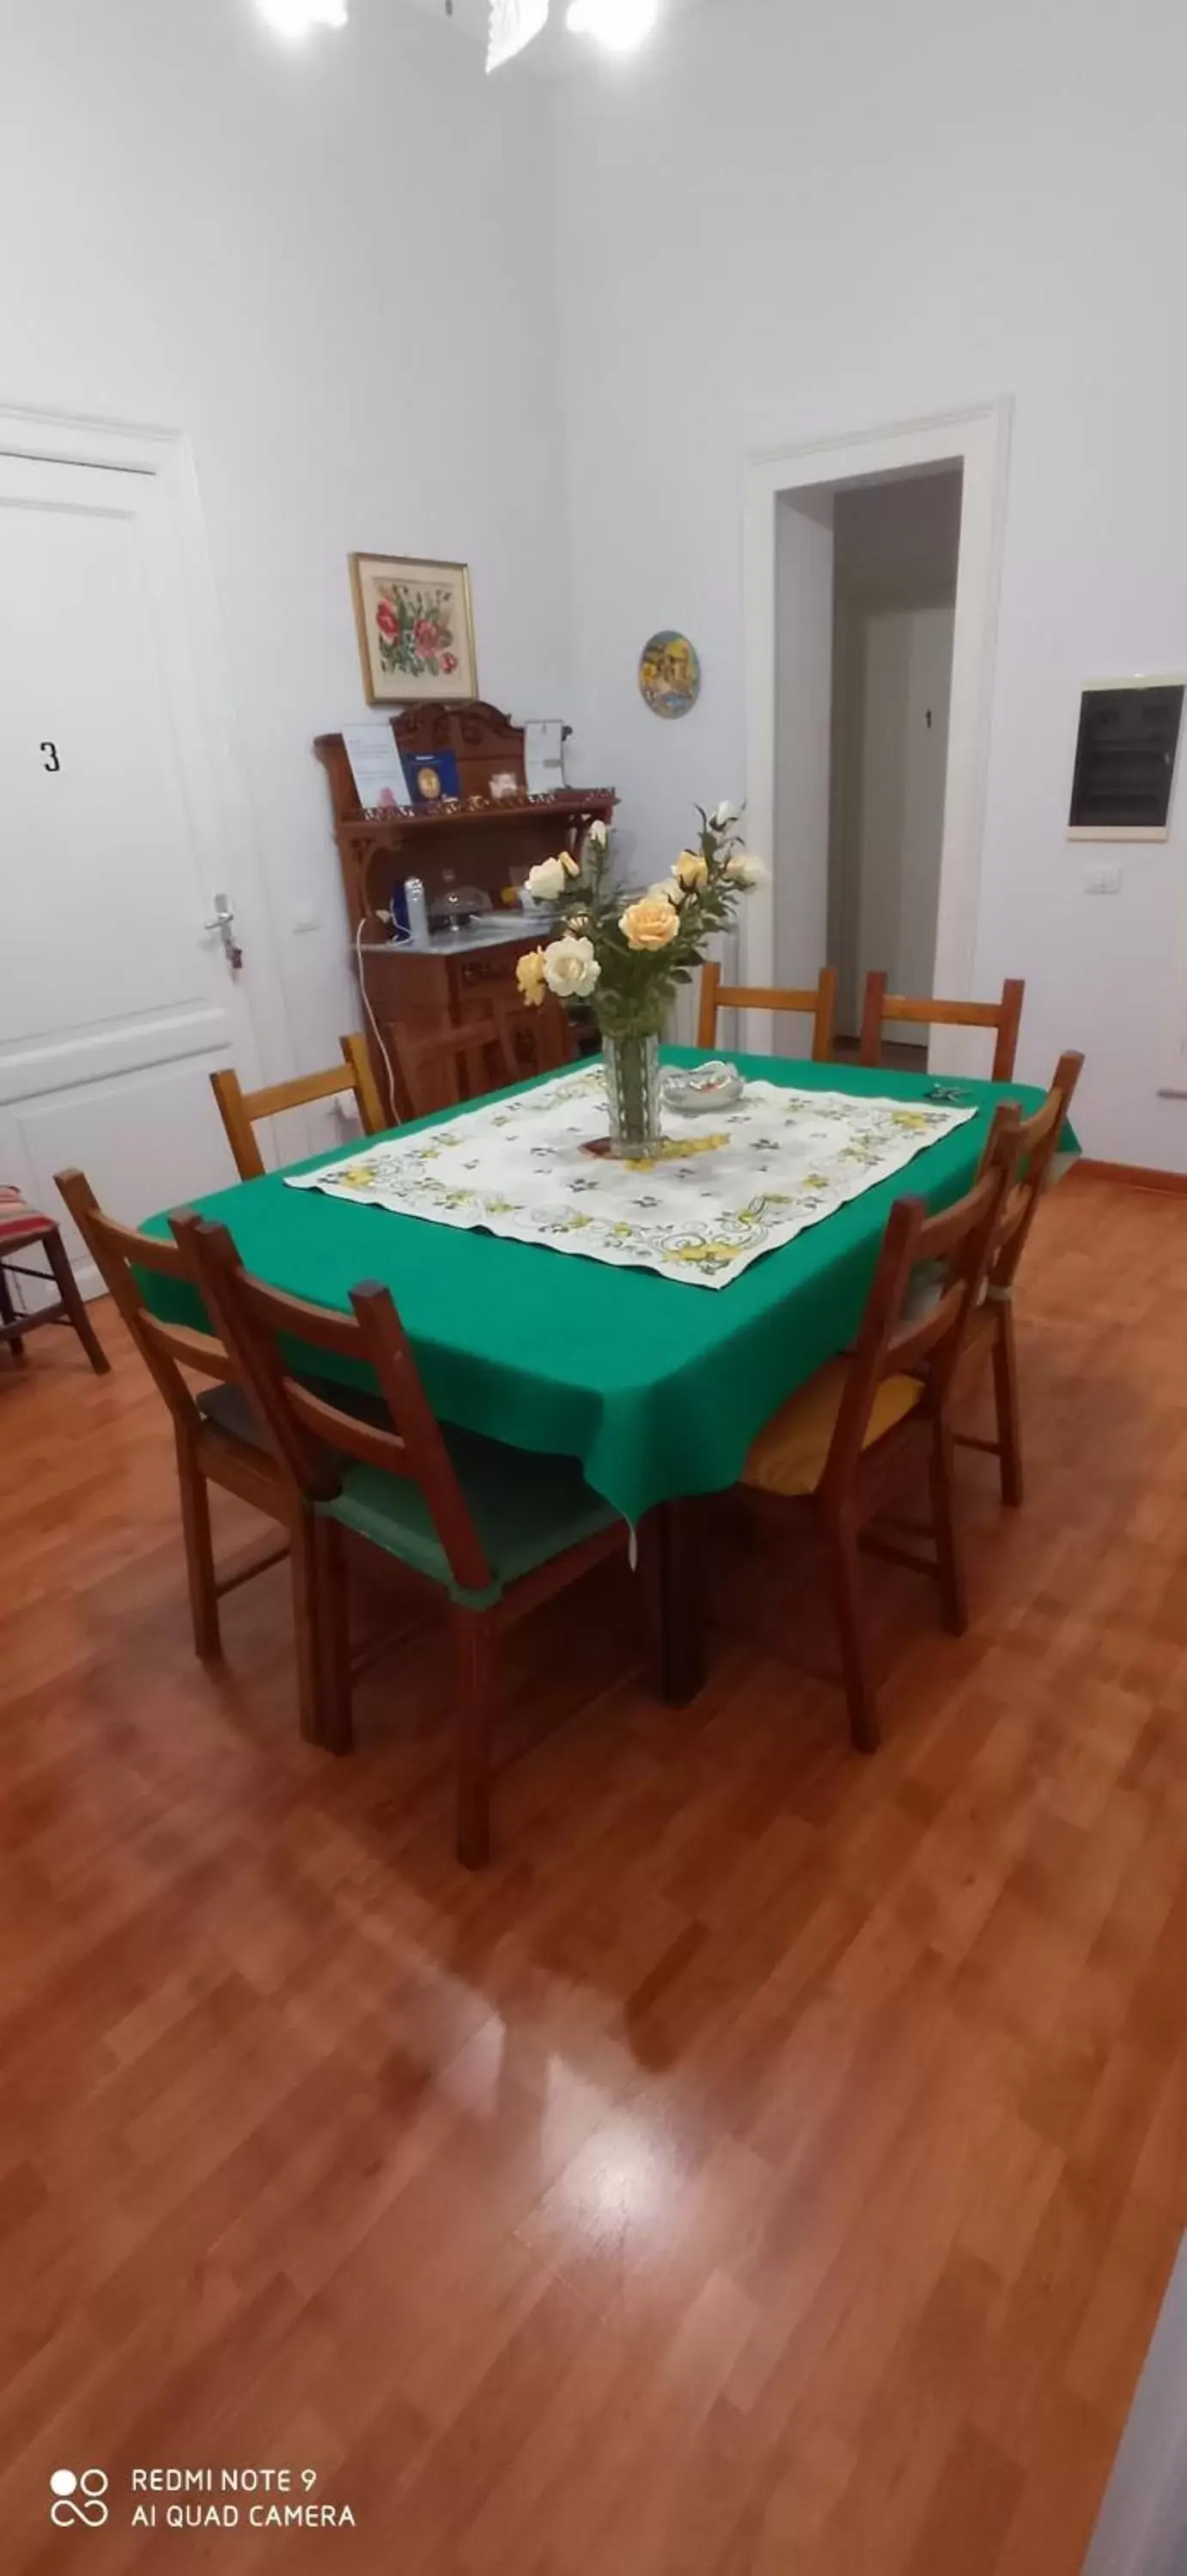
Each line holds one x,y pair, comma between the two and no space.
1102,880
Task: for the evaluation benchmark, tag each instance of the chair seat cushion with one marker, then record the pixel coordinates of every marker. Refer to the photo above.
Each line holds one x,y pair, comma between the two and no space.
789,1456
20,1223
526,1510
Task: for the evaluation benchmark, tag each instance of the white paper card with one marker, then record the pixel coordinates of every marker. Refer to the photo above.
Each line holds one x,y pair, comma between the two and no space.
376,766
544,756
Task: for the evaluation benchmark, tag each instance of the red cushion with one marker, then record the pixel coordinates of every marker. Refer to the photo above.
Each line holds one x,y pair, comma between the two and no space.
20,1223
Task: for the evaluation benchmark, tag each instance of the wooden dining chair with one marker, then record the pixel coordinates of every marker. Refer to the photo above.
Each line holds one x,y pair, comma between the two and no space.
449,1066
990,1338
241,1111
818,1004
26,1229
1005,1017
491,1531
840,1447
218,1438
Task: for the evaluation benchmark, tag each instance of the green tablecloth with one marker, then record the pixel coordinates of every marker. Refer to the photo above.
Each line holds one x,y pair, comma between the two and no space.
658,1388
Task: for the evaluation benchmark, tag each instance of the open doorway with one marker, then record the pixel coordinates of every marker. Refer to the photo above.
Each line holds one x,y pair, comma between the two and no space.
872,576
896,550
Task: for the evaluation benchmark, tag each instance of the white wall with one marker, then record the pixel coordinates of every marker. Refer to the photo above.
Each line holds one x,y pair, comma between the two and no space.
906,527
328,265
783,222
1142,2530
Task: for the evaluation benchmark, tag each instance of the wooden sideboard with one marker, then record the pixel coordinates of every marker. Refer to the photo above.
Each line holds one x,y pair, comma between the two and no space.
477,841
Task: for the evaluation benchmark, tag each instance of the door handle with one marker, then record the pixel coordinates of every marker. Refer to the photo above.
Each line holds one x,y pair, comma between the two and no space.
224,923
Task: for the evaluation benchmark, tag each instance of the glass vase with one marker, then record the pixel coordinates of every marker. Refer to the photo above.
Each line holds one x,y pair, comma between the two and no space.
632,1092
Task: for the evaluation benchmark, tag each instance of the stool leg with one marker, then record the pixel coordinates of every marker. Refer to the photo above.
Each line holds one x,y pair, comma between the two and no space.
8,1316
55,1253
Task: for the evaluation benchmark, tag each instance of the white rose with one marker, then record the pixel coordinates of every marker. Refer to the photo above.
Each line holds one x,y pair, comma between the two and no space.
723,817
597,836
571,969
745,871
667,890
547,881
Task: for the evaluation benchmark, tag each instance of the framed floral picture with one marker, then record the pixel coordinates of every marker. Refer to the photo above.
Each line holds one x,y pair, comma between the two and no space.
416,630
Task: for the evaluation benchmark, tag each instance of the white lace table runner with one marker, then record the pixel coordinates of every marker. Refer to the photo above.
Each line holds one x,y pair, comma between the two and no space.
726,1188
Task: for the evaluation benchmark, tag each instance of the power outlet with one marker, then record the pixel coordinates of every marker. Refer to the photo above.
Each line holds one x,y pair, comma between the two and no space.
1102,880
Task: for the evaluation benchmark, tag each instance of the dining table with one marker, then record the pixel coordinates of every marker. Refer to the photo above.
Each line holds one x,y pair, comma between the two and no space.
657,1386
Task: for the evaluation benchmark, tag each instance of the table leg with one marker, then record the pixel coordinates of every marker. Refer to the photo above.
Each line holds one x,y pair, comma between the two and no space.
674,1534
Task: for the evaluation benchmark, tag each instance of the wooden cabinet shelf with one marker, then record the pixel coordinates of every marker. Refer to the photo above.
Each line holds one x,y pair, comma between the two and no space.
480,841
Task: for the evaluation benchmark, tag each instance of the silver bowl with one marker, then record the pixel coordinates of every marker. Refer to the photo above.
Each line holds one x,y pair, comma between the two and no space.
703,1090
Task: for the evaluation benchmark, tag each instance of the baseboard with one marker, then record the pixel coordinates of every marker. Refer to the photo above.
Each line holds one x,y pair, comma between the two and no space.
1137,1176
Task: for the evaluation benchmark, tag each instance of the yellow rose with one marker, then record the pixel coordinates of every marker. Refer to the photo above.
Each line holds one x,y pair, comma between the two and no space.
651,923
691,871
531,977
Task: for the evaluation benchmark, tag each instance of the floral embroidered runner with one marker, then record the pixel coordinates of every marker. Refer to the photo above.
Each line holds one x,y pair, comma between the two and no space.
727,1187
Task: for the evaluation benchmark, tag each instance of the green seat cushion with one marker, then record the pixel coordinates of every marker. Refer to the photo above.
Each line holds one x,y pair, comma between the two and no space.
526,1510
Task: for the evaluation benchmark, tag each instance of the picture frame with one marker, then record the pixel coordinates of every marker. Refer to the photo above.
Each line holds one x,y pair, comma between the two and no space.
415,622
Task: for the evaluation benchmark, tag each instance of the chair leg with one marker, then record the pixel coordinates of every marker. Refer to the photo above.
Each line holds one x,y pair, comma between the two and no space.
75,1305
840,1538
14,1341
332,1633
199,1554
949,1552
474,1651
307,1626
1009,1411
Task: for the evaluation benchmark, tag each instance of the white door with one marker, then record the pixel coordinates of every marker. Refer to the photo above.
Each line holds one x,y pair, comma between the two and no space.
116,1001
896,805
803,750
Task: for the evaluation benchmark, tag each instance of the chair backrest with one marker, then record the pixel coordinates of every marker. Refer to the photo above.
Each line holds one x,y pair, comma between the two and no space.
819,1004
1005,1017
242,1110
893,1341
310,1433
118,1252
1036,1146
454,1065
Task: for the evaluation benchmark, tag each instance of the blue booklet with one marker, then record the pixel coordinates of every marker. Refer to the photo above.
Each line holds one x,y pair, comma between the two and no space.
432,776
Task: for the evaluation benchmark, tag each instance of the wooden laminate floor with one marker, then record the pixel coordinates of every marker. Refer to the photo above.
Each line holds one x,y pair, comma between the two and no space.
774,2164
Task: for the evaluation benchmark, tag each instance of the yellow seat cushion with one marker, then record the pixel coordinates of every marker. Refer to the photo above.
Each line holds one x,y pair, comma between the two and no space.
789,1456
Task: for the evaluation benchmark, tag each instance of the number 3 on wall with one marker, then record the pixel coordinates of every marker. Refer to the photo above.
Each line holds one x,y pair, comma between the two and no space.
51,760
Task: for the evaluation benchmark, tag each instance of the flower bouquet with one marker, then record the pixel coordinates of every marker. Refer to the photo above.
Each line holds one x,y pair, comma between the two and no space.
627,955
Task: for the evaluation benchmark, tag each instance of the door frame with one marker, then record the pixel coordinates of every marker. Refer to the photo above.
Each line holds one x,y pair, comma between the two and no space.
196,679
978,440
